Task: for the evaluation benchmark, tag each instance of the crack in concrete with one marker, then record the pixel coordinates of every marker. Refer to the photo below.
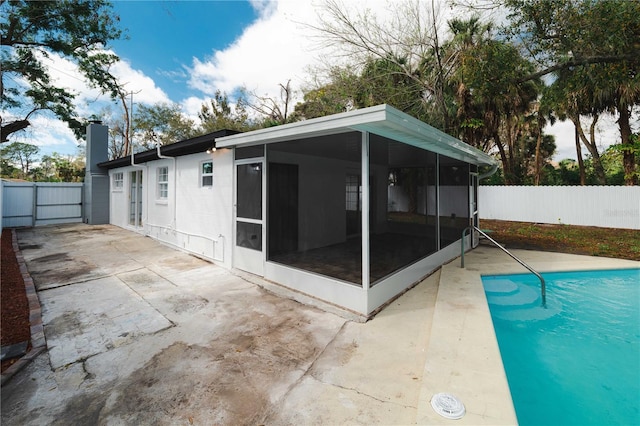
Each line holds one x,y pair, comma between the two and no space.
66,366
87,375
173,324
309,373
362,393
99,277
153,272
265,417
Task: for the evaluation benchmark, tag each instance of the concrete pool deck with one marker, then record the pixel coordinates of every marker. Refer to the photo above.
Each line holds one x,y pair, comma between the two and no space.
138,333
463,354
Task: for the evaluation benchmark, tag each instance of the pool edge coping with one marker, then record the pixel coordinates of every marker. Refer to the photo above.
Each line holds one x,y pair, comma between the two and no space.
463,356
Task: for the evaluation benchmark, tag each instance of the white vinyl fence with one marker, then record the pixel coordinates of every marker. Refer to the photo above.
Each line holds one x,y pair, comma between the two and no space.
603,206
40,203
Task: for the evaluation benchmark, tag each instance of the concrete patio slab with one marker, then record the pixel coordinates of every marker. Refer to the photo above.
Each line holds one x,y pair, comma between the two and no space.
144,334
91,318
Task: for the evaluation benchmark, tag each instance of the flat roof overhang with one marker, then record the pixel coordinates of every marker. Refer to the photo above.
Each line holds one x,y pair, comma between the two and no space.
382,120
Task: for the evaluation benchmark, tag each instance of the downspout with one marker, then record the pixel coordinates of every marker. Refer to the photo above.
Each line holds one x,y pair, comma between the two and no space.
493,169
175,184
133,162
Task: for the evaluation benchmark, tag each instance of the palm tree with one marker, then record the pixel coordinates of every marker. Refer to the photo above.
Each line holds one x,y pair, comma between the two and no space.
570,96
617,90
468,37
492,104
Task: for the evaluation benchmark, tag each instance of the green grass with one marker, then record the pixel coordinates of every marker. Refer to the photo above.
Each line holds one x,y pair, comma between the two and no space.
588,240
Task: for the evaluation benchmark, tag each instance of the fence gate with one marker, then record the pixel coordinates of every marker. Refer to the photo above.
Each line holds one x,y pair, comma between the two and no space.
40,203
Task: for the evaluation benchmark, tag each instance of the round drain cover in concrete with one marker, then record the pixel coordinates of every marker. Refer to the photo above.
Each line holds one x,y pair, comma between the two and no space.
448,406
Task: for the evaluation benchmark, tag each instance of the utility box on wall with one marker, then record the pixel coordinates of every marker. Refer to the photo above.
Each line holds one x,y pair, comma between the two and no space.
96,180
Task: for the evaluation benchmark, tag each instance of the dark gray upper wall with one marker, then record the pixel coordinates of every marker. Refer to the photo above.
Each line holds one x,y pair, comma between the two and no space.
97,147
96,179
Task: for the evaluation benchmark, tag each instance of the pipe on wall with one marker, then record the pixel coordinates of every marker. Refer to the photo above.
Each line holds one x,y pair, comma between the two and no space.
174,224
215,242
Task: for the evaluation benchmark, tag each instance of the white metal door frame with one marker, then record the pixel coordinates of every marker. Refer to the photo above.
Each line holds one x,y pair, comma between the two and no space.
249,259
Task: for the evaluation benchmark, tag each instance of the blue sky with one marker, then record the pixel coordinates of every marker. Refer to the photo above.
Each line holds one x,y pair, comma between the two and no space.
183,51
164,36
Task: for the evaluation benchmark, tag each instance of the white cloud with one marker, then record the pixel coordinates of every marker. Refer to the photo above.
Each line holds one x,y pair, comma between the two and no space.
607,133
264,7
49,134
66,74
52,134
565,140
271,51
281,46
144,88
192,105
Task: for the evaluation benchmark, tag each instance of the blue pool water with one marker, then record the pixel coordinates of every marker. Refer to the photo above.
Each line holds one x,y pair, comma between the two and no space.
577,362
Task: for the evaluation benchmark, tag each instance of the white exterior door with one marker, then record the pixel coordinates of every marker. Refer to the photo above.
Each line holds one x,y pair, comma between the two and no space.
135,199
249,242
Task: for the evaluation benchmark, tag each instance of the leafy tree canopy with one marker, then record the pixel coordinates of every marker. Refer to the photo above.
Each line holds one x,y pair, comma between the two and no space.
593,50
220,113
20,155
562,34
161,124
21,161
30,31
336,96
59,168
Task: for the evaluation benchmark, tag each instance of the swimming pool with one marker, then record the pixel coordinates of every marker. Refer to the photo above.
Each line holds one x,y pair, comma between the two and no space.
577,362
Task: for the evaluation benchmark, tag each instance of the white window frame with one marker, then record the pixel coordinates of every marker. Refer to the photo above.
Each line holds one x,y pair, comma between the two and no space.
162,179
204,175
118,181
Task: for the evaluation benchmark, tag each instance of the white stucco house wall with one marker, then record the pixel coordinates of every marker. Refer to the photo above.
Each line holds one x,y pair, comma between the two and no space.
352,209
172,200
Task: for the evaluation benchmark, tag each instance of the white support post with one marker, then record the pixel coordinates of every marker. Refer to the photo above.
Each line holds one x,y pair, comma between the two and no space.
438,201
366,280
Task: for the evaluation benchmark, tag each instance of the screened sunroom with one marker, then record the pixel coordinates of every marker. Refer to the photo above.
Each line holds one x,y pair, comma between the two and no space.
352,208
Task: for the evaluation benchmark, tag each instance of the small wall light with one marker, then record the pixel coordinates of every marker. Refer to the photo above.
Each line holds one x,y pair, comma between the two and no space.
212,149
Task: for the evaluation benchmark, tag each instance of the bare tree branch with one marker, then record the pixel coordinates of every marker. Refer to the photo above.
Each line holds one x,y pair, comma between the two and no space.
275,110
13,127
605,59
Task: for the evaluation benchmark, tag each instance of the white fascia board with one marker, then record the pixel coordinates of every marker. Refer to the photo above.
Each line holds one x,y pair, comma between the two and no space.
330,124
383,120
404,128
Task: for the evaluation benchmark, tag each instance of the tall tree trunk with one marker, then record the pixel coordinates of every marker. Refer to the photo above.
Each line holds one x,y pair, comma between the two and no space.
440,84
506,167
514,156
583,177
537,159
591,147
628,156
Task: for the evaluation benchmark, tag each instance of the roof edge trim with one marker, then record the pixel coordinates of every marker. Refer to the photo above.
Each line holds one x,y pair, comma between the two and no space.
307,128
